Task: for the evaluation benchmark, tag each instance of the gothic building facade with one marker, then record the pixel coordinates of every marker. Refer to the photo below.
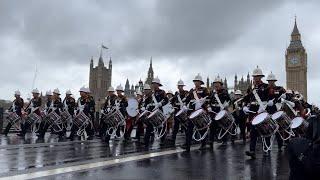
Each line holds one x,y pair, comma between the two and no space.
100,78
130,91
296,64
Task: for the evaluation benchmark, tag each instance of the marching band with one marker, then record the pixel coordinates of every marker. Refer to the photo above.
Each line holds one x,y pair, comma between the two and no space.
265,111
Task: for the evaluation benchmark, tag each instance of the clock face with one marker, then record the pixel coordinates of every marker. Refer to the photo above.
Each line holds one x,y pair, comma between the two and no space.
294,60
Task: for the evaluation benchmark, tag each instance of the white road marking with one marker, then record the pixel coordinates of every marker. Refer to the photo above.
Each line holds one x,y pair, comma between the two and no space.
88,166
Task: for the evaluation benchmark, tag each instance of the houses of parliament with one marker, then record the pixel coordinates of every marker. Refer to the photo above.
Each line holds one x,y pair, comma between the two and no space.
100,77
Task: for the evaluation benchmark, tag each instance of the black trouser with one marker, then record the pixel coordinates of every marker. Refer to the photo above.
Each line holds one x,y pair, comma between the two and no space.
190,133
241,123
253,139
74,129
215,130
139,130
6,131
176,127
44,127
150,133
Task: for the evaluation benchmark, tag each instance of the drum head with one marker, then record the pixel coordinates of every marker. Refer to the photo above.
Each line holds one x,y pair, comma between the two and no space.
296,122
277,115
220,115
259,118
153,113
195,113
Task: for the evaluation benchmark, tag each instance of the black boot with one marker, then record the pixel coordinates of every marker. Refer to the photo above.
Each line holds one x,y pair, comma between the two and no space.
251,154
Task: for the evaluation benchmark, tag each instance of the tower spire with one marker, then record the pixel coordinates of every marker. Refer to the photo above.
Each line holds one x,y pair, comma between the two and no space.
295,30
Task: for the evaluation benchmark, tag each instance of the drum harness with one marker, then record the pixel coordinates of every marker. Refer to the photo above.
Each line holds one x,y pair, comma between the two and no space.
262,105
111,111
16,124
163,130
198,104
220,136
34,127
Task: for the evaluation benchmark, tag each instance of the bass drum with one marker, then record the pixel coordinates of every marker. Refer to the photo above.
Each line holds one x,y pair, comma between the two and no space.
132,108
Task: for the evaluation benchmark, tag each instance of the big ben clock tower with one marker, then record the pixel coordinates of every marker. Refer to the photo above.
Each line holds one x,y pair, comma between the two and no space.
296,64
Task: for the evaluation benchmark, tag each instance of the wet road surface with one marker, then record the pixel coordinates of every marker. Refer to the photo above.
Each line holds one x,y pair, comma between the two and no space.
96,160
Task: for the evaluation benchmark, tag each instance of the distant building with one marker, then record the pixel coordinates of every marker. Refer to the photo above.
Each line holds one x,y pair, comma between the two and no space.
150,74
296,64
130,91
242,85
100,80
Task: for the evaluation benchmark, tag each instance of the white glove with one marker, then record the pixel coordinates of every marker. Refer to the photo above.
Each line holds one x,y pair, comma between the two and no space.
270,103
209,109
102,111
185,108
261,109
283,96
246,110
143,109
7,111
158,105
226,104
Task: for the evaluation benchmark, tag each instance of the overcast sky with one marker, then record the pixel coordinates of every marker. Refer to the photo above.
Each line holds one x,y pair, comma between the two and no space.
210,37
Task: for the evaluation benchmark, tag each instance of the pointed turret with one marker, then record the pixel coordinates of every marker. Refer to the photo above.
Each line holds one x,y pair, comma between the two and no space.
91,63
295,42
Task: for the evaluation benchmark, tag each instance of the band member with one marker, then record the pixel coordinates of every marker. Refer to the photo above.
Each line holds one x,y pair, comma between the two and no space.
239,116
57,107
123,104
33,107
170,96
224,98
69,103
179,102
145,105
262,90
85,104
196,100
304,153
274,93
109,104
47,105
159,99
140,128
16,107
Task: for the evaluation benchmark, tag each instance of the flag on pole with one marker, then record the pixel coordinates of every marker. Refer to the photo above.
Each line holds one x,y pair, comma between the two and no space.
104,47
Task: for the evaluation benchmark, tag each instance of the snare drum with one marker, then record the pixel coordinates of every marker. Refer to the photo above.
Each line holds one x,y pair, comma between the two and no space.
182,115
156,118
114,118
33,118
265,125
52,117
200,119
282,119
81,120
13,118
299,126
224,119
65,116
